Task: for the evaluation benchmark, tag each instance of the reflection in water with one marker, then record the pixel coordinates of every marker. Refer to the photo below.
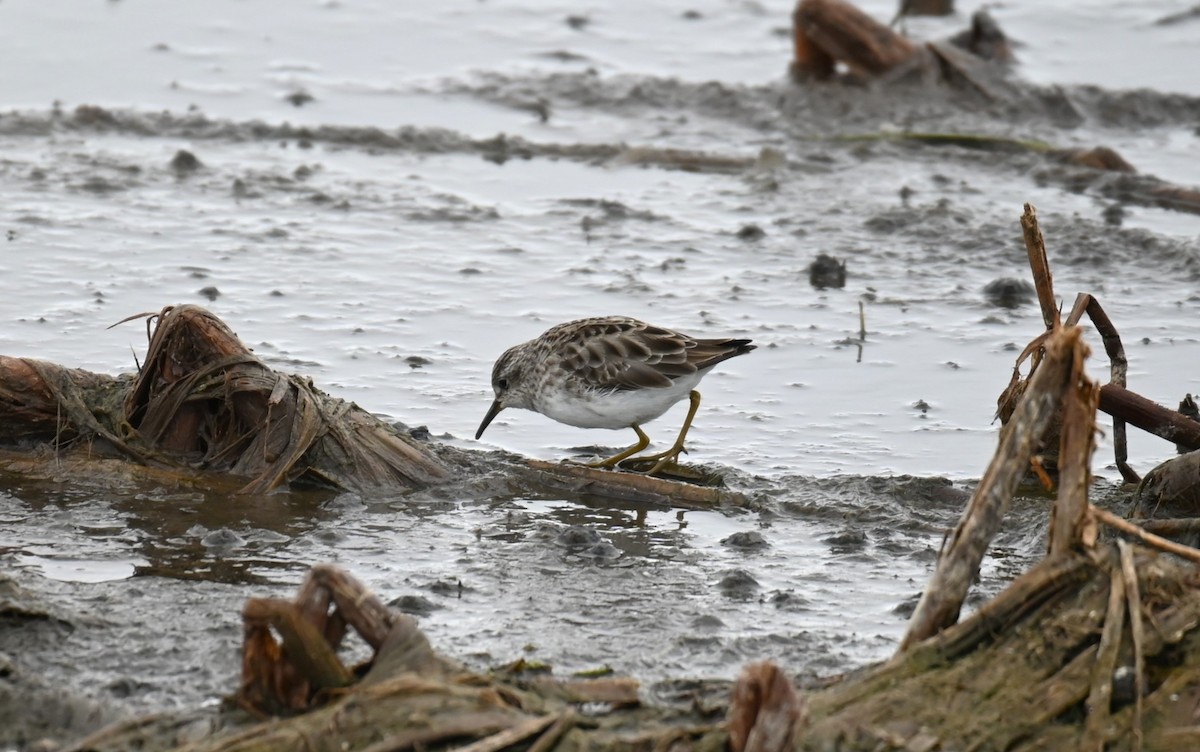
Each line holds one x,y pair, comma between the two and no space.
155,531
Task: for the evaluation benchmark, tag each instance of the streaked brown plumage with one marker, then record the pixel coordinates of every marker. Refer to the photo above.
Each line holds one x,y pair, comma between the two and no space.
608,372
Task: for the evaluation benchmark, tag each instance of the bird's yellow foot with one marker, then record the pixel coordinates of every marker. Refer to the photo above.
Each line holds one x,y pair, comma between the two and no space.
655,462
615,460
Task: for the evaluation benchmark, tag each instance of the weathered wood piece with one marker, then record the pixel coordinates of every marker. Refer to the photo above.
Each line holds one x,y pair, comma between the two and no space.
826,32
1068,517
1043,280
1150,416
577,479
1118,372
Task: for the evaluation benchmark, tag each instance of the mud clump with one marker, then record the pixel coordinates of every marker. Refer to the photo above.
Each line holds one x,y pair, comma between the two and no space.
184,162
1008,292
827,272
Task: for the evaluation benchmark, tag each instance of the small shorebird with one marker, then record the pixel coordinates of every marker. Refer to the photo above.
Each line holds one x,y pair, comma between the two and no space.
609,372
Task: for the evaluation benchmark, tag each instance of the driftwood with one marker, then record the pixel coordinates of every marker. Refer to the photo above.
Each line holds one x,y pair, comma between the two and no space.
1163,422
829,33
826,32
702,492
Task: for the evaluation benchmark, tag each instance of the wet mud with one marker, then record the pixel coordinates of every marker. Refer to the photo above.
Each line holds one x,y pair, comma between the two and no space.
821,578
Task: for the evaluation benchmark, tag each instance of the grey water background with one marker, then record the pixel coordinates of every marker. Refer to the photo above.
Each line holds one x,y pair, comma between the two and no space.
394,275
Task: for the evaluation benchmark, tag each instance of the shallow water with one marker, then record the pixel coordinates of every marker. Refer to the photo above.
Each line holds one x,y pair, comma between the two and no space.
394,270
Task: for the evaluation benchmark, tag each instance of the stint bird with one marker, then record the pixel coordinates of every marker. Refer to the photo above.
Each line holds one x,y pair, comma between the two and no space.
609,372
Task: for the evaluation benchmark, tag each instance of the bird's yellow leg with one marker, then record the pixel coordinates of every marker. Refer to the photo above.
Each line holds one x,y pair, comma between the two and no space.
662,459
642,442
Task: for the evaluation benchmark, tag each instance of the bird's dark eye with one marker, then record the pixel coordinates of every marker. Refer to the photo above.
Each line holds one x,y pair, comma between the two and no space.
502,384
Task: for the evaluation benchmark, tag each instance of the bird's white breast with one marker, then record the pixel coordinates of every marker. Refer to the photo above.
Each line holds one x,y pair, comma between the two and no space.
618,409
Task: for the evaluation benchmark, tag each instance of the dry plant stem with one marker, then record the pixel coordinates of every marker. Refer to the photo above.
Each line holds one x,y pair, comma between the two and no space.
1118,363
1078,441
1118,372
1043,282
1100,696
1135,627
1162,544
943,597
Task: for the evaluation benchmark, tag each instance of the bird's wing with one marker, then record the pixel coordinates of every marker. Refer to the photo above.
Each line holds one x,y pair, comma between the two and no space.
623,353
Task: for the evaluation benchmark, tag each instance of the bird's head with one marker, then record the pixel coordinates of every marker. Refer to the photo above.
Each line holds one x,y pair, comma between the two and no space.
510,383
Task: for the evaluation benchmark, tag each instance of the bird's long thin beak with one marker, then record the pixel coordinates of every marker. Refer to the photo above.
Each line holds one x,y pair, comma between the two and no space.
492,412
